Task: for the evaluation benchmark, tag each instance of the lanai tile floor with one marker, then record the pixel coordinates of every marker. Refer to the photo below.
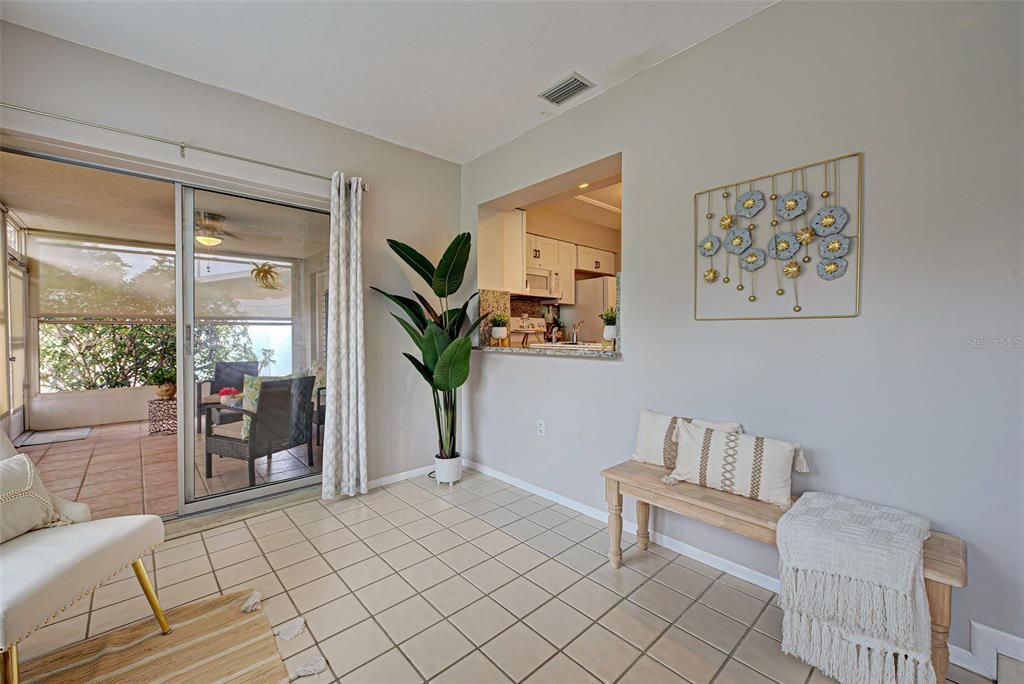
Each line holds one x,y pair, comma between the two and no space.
478,583
120,469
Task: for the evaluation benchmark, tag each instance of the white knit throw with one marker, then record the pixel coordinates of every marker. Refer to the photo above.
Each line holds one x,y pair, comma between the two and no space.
853,590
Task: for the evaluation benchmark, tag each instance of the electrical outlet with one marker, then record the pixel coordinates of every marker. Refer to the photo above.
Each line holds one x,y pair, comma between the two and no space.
540,428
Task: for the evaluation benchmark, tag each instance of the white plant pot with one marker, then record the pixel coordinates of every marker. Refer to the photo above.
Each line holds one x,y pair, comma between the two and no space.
610,332
499,333
448,469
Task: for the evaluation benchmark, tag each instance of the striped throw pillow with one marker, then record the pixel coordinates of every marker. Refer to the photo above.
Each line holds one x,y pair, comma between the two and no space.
656,436
754,467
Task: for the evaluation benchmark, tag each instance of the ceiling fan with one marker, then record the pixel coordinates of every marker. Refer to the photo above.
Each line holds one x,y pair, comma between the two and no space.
209,230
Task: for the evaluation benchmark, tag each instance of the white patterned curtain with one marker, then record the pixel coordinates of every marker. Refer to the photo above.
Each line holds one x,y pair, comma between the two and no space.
344,471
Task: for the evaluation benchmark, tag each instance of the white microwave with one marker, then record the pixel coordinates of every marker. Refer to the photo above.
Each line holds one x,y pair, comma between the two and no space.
543,282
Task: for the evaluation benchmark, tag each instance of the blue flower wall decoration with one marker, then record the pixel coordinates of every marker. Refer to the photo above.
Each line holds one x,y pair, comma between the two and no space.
752,259
829,220
749,203
737,240
783,246
834,246
830,269
791,205
709,245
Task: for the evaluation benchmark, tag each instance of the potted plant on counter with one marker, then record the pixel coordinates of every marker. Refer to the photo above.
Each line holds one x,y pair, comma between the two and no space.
610,318
165,380
442,338
499,326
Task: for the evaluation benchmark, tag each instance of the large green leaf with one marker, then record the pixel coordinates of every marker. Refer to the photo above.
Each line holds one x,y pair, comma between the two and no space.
453,367
452,268
418,365
454,319
417,338
476,324
428,308
435,341
412,308
417,261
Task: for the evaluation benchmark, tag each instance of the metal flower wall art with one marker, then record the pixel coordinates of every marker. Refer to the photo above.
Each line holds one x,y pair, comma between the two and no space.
265,276
806,223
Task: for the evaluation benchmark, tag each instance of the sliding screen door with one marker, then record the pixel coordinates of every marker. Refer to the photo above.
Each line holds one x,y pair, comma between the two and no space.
252,354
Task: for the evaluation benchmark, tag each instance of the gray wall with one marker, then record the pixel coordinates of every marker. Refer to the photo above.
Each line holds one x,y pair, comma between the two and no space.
413,197
895,406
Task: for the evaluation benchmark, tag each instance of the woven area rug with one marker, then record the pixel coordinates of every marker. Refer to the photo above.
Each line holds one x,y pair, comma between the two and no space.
210,641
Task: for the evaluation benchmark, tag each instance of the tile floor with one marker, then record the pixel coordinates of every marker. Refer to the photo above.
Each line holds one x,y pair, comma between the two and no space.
120,469
478,583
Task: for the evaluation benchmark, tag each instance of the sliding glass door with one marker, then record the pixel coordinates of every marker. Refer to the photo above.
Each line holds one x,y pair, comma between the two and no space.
251,371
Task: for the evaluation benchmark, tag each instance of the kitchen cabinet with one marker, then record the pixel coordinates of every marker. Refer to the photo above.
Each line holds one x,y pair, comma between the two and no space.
501,245
565,271
595,260
541,252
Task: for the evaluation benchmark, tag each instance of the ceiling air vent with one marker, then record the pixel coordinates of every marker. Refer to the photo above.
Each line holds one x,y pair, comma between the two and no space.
566,89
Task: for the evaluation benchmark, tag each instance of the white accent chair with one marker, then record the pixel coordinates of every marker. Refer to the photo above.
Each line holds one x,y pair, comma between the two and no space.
44,572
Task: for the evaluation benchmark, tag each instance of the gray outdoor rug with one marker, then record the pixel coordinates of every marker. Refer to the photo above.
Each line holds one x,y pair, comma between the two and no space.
53,436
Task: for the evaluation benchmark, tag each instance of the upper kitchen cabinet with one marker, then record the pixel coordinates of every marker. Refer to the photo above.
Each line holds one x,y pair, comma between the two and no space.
541,252
501,249
595,260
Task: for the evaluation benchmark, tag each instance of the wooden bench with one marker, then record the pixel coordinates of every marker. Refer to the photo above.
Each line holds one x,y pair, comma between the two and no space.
945,556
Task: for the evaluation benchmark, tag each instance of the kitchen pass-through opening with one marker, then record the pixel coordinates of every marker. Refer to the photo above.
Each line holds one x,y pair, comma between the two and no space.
549,262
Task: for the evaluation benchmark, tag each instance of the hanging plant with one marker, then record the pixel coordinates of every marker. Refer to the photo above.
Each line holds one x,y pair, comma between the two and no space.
265,275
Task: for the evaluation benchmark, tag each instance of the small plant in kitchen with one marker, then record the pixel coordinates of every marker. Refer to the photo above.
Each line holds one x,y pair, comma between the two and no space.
442,337
165,380
610,318
499,326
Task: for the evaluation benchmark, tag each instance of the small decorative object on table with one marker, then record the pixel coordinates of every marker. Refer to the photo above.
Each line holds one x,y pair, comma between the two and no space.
499,328
611,330
229,396
165,380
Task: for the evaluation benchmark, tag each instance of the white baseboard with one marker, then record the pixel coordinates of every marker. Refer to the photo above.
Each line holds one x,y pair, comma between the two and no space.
398,477
986,642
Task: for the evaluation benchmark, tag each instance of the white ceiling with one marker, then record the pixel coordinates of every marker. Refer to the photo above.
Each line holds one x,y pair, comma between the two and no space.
453,79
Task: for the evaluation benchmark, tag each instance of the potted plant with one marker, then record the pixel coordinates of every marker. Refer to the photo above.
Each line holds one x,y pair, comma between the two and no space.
230,396
499,326
165,380
610,318
442,338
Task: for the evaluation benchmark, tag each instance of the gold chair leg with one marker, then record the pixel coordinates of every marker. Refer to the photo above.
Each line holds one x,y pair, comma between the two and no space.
147,589
11,665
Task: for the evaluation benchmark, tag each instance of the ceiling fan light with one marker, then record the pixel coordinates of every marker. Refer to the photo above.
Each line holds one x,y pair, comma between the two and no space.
208,240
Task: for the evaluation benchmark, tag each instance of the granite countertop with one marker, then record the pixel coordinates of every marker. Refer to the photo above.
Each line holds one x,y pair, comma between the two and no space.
542,351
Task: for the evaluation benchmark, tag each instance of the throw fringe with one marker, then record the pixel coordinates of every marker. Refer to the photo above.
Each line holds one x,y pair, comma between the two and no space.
286,631
826,646
315,665
252,603
855,604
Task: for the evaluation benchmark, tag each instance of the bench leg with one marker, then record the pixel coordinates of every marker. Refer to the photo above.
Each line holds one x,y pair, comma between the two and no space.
940,607
614,498
643,517
147,589
10,657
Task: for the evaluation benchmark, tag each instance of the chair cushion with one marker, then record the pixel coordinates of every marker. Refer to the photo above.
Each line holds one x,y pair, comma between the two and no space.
232,430
210,399
44,571
24,502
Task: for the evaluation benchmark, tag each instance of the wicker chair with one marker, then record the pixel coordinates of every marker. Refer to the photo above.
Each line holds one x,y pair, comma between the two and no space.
282,420
320,414
225,374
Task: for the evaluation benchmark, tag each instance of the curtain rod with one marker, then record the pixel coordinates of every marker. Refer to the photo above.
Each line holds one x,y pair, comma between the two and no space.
181,145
